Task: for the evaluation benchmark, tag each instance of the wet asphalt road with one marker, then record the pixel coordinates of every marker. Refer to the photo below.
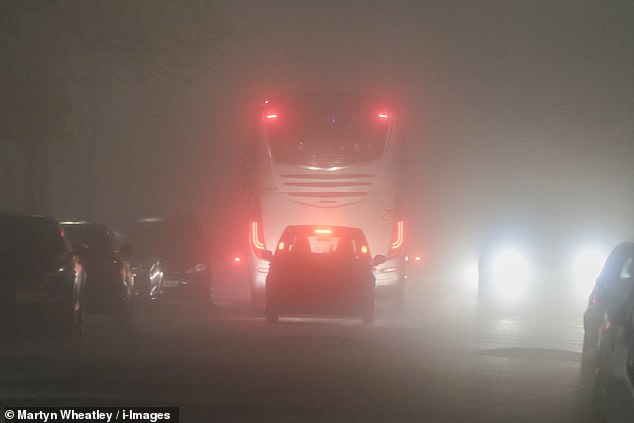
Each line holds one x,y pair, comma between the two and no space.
442,359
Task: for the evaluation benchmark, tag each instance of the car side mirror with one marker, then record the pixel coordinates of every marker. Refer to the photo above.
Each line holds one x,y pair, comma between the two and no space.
379,259
267,255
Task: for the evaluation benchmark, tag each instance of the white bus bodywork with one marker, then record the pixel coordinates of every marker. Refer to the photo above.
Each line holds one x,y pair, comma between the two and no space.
363,195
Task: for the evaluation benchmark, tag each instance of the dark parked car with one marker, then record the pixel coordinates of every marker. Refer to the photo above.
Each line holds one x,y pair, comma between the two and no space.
608,348
41,276
170,258
607,297
321,270
109,284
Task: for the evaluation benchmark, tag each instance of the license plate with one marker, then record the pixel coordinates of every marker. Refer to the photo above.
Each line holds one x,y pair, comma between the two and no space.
36,297
171,284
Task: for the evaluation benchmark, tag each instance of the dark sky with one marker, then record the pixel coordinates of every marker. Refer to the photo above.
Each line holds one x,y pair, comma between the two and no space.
515,109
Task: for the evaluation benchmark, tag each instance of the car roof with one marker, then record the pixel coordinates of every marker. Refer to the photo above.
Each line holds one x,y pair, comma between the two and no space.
26,218
84,223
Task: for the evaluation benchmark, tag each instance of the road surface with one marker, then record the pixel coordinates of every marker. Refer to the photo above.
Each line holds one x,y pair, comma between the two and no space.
443,359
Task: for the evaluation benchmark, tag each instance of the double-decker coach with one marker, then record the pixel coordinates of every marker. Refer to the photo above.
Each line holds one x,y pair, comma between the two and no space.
328,159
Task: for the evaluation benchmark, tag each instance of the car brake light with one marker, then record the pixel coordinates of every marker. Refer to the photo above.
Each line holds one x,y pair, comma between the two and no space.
398,236
281,245
237,259
383,116
256,236
271,116
323,231
364,249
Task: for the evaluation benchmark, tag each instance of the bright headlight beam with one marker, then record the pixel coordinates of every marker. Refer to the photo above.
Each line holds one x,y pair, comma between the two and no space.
587,267
510,273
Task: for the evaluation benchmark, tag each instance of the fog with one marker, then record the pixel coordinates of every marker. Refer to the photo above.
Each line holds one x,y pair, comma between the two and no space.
515,111
519,122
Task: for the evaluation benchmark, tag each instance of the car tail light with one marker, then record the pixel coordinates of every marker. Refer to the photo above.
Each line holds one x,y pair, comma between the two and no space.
281,246
397,237
257,238
364,249
271,116
323,231
383,116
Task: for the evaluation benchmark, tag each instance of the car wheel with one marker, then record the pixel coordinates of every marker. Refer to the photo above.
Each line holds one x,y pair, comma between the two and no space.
601,380
616,404
589,356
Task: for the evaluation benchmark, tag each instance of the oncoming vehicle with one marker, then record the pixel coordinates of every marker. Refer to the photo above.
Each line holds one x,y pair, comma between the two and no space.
41,275
333,159
321,270
110,283
531,264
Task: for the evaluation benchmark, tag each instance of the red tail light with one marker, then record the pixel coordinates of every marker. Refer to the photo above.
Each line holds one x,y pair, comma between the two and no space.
257,237
271,116
397,237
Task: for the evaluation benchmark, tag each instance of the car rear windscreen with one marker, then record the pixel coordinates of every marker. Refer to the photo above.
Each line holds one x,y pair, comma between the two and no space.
326,131
30,242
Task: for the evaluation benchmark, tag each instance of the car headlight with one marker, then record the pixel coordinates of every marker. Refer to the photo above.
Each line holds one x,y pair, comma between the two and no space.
510,273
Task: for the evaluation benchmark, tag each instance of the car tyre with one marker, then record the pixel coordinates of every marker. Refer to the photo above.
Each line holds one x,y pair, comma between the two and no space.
589,357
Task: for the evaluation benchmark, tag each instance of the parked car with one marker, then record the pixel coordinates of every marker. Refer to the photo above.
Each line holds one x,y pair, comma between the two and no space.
321,270
110,283
607,296
170,258
608,350
41,275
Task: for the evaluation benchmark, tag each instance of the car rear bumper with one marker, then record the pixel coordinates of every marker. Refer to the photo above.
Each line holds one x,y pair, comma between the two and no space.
186,286
339,297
